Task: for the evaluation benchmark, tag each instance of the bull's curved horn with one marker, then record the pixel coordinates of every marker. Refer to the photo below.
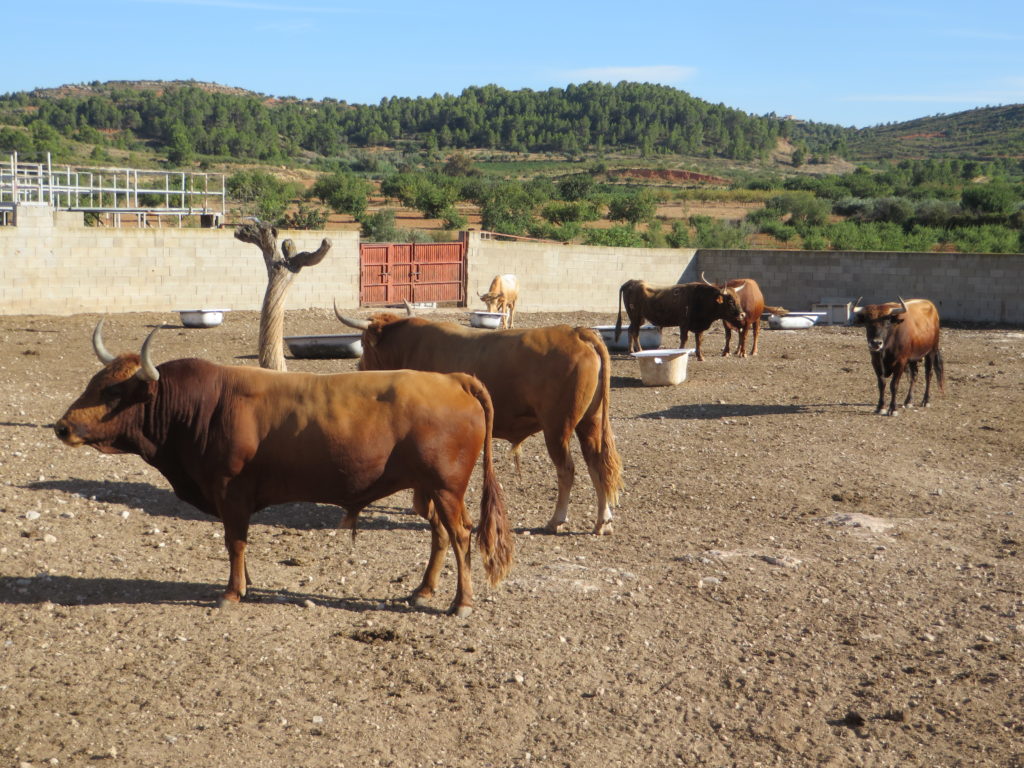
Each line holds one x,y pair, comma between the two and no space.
97,344
902,308
705,279
361,325
147,371
739,288
408,308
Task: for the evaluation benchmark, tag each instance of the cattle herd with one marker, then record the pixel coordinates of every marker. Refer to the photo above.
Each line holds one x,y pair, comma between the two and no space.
421,411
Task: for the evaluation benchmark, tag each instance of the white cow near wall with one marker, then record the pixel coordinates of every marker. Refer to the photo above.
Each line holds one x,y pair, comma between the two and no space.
501,297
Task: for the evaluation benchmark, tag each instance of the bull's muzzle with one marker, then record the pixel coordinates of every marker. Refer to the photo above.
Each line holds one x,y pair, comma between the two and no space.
66,434
875,345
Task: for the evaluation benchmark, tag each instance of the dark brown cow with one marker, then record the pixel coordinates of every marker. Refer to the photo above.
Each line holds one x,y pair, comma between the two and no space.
553,380
232,440
752,304
899,334
691,306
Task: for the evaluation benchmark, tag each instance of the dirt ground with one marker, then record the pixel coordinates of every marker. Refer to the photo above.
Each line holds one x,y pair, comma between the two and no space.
792,581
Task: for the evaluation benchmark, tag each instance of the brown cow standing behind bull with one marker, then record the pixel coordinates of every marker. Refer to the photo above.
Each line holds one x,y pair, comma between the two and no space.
232,440
752,304
691,306
899,335
554,380
502,297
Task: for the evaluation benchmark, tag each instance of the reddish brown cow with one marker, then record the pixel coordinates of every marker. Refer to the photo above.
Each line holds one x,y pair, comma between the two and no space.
232,440
899,334
752,304
691,306
502,297
553,380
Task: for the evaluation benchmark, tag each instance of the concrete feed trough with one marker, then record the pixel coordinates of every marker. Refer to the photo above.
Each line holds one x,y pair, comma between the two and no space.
663,367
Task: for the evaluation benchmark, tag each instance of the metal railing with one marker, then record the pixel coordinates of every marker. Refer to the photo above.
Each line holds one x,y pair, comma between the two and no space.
113,193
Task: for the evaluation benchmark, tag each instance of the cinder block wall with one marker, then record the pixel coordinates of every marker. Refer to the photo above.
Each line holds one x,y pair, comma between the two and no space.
966,287
52,264
566,278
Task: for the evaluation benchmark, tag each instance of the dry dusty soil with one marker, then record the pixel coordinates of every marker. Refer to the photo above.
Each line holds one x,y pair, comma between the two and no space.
792,581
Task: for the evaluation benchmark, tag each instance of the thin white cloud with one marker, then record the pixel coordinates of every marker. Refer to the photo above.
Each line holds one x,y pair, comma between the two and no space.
248,5
666,74
1012,96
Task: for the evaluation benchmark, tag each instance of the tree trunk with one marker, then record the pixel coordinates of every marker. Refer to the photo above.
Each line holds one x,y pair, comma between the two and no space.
281,270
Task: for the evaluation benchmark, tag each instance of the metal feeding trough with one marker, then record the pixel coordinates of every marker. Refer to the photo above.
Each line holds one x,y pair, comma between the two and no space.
331,345
481,319
794,320
650,337
202,318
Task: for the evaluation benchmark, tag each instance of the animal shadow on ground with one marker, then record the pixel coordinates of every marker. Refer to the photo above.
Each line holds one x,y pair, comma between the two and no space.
160,502
71,591
710,411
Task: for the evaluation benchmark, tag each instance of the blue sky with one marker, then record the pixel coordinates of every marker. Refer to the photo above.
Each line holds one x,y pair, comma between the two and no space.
853,64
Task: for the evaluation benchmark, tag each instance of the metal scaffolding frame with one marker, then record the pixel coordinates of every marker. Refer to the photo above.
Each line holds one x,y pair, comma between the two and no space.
113,193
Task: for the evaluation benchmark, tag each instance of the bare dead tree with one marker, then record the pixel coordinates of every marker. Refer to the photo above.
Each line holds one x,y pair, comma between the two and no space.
281,270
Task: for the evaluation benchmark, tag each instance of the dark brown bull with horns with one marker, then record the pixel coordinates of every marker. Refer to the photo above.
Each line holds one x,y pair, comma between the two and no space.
691,306
232,440
554,380
899,335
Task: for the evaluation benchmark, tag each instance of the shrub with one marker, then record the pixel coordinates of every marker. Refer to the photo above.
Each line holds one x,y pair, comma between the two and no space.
620,236
344,192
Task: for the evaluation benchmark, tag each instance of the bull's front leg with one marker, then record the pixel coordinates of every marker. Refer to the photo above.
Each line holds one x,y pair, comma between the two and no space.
728,340
894,382
558,450
697,338
880,382
236,532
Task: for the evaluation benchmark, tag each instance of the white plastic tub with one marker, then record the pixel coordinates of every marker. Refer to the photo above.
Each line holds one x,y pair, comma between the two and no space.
663,367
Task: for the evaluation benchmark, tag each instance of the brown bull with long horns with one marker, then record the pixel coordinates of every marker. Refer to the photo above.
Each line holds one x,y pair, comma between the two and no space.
232,440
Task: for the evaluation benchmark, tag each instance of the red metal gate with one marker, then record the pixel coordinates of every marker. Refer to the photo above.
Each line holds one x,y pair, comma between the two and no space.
415,272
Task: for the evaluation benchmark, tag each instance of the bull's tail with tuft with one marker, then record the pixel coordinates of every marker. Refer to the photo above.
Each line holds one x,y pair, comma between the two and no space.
493,535
611,463
940,373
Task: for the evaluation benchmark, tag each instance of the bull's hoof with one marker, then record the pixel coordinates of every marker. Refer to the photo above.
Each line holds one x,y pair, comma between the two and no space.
419,601
461,611
553,527
228,599
603,529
